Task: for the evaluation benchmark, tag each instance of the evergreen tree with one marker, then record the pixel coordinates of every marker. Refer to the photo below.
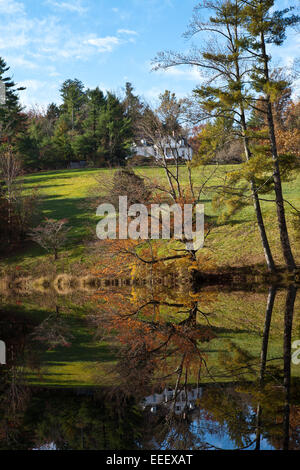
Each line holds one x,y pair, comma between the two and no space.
86,145
95,105
225,96
12,120
133,105
116,130
72,93
61,141
265,26
53,112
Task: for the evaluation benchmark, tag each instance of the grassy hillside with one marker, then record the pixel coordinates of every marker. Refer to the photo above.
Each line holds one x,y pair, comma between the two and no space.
236,318
237,321
85,361
71,194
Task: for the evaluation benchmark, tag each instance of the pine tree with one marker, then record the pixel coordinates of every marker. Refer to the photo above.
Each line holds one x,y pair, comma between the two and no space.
72,93
116,131
265,26
132,105
53,112
12,120
226,95
95,105
88,143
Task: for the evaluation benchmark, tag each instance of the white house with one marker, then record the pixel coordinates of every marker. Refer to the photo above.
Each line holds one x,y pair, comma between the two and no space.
166,399
170,148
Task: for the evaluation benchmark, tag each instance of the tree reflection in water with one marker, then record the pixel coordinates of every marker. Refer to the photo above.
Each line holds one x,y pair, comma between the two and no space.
168,394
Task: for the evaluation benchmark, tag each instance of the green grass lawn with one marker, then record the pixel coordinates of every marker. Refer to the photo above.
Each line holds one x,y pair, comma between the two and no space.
237,243
71,194
238,318
64,194
85,362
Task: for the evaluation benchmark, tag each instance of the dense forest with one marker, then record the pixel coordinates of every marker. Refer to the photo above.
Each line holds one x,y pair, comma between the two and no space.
88,126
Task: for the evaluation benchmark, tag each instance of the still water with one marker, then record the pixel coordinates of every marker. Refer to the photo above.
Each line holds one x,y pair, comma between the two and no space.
138,367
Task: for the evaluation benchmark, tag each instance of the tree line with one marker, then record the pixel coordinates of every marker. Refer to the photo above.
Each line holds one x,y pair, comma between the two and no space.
88,126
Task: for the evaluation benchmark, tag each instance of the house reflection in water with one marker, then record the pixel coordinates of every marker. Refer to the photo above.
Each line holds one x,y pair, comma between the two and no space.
184,401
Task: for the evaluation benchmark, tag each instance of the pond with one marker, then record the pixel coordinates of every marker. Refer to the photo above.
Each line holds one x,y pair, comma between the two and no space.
130,366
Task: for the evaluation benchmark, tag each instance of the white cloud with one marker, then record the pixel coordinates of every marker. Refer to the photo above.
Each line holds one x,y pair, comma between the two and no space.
38,93
182,73
48,39
123,15
11,7
74,6
20,61
52,71
105,44
127,31
32,84
14,34
151,94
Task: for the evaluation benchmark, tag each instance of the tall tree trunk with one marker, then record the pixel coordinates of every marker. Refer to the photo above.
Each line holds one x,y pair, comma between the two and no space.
288,323
284,236
72,118
257,207
9,230
263,358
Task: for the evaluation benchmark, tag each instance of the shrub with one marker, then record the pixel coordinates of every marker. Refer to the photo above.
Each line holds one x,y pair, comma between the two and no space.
51,235
141,160
127,183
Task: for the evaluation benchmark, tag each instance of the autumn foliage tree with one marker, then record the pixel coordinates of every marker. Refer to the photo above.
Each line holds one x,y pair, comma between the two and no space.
160,335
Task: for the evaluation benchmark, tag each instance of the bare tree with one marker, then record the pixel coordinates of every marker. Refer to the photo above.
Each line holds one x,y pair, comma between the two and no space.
10,168
163,129
53,332
51,235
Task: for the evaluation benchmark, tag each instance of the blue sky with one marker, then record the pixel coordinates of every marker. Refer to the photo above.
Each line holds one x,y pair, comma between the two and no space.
103,43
